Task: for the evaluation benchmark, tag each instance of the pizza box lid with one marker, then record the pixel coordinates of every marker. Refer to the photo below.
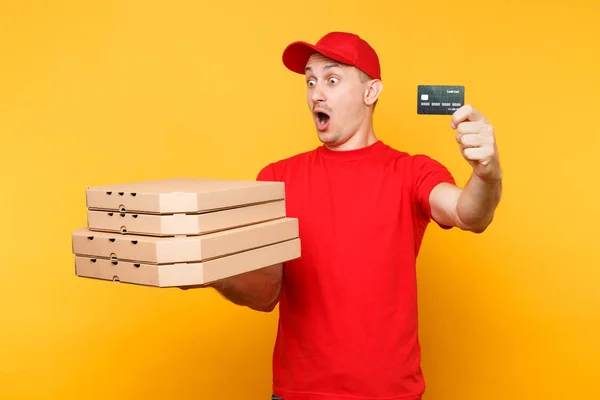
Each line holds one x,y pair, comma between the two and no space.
181,195
164,250
187,274
184,224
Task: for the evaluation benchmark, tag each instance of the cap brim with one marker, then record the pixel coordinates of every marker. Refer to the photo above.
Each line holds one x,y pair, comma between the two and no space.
296,56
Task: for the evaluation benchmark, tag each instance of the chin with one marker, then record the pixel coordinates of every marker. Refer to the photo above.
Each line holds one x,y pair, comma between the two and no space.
330,139
327,137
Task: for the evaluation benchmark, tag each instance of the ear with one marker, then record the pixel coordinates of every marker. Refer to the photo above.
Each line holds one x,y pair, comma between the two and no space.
372,91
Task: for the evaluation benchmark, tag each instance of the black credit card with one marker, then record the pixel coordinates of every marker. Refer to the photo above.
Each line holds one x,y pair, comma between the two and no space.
439,99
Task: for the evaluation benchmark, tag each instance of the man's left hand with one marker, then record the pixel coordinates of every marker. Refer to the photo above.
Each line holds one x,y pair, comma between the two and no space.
477,142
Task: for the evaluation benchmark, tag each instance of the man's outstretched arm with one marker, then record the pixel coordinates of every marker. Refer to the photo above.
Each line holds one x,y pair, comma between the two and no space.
259,290
471,208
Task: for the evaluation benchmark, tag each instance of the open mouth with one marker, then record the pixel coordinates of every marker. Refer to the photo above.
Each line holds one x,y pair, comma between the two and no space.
322,119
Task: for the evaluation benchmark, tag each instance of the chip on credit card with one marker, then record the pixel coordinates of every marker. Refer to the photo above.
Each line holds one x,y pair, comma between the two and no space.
440,99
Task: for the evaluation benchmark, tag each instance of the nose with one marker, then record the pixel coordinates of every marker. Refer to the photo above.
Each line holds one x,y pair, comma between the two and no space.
316,94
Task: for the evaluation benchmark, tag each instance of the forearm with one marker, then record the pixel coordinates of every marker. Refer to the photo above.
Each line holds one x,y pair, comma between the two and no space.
477,203
259,290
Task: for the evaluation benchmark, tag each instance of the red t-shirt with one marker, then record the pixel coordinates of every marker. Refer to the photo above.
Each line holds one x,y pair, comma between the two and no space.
348,310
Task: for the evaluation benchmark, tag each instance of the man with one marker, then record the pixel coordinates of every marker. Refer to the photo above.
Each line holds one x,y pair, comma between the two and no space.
347,307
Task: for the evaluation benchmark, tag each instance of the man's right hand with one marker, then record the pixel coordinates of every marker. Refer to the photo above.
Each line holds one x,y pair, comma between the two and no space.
259,289
214,284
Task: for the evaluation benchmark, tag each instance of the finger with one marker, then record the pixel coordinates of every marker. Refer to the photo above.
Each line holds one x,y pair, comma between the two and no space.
476,139
189,287
466,128
472,140
466,113
482,154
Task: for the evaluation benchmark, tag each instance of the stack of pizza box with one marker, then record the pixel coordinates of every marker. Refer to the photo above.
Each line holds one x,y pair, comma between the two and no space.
183,232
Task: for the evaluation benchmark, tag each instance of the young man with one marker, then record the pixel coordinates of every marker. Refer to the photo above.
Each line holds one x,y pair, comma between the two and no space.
347,307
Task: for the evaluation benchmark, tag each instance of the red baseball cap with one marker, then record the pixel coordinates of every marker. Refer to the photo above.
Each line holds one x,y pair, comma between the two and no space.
344,47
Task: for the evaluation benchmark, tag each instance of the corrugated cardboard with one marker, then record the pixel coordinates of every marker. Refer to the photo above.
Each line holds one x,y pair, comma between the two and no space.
186,274
183,232
164,250
184,224
182,195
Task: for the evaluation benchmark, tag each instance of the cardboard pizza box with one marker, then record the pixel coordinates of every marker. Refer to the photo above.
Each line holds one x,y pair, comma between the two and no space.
185,224
165,250
187,273
181,232
181,195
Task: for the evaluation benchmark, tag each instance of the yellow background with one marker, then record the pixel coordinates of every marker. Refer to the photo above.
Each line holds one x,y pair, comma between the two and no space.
104,92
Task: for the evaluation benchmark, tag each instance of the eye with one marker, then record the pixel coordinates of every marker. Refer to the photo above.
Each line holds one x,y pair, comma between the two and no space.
310,83
333,80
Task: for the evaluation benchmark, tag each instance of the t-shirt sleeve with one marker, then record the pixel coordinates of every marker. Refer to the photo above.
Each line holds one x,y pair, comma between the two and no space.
428,173
266,174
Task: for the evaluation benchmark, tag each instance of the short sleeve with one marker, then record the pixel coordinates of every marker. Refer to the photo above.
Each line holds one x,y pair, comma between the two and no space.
428,173
266,174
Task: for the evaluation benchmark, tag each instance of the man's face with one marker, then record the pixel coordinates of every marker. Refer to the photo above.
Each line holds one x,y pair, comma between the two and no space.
335,95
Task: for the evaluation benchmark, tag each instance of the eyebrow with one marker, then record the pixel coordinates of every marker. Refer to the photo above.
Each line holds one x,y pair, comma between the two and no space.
326,67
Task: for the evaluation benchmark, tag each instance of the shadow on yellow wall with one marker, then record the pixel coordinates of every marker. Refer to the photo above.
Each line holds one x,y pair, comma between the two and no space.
132,90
